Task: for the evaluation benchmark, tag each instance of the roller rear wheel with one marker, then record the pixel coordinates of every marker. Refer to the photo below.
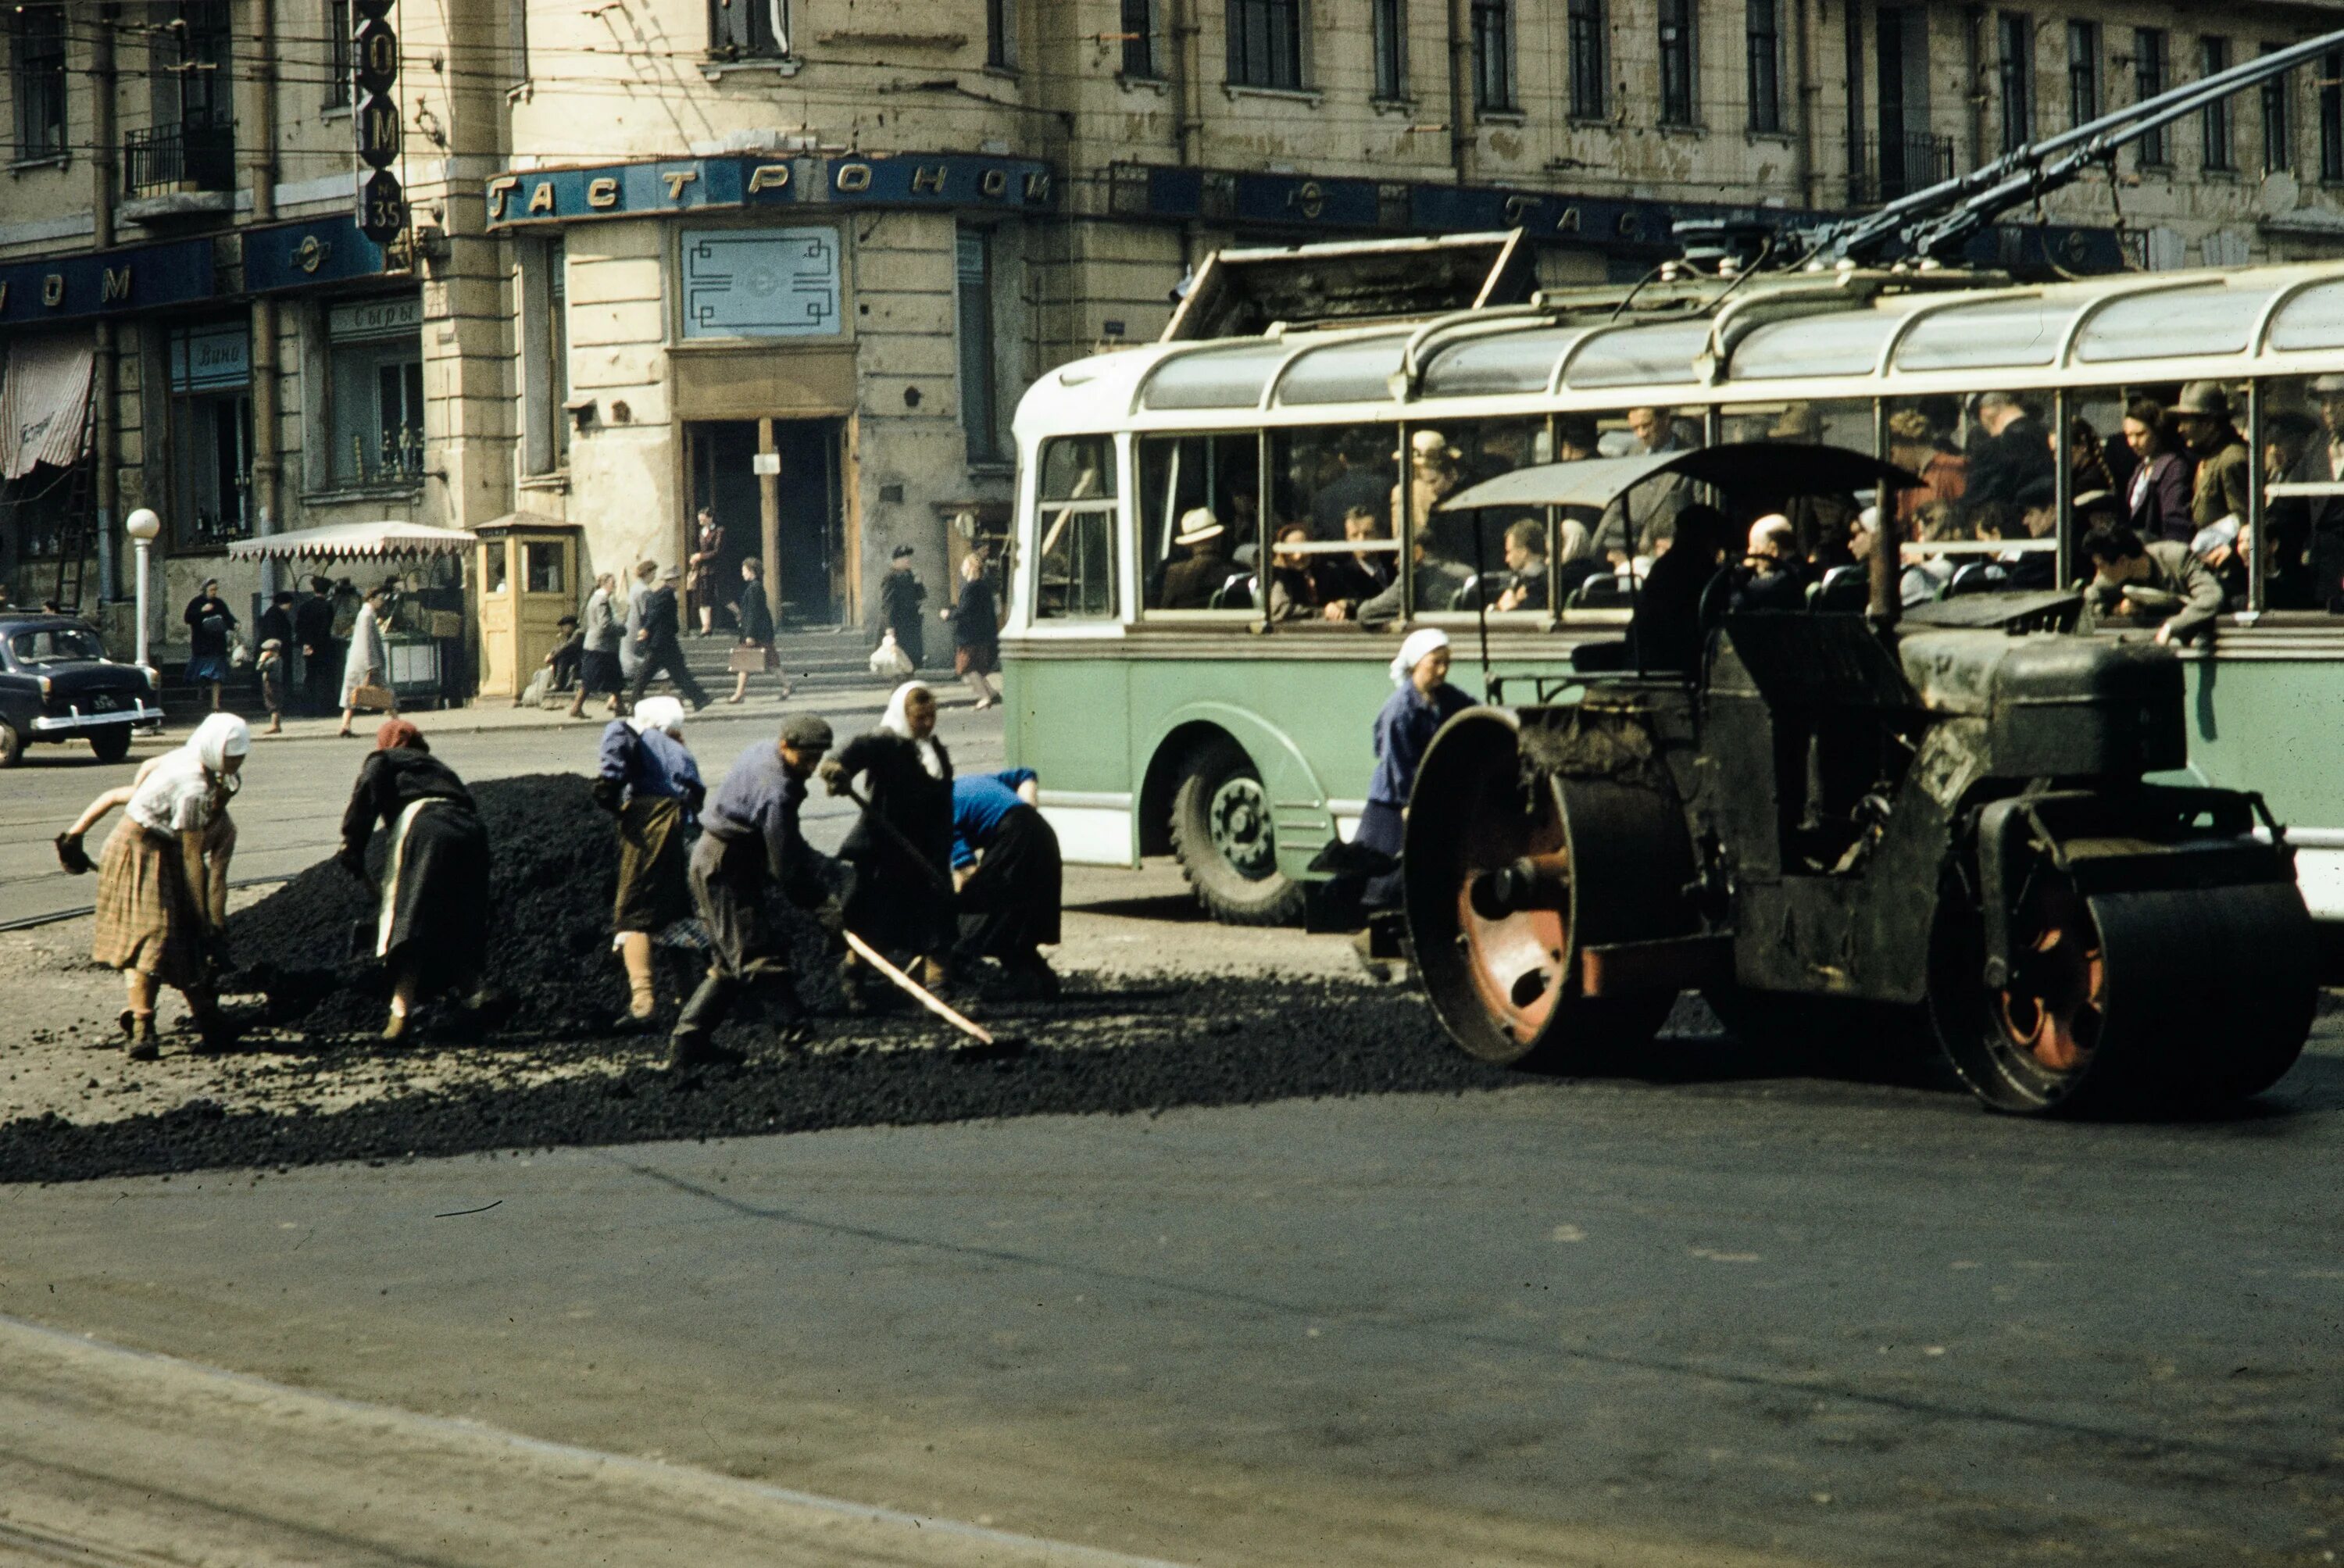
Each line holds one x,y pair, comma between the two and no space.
1509,880
2172,1000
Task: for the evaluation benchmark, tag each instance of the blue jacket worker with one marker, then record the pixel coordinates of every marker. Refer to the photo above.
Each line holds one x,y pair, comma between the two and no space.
1414,713
750,841
1005,856
649,781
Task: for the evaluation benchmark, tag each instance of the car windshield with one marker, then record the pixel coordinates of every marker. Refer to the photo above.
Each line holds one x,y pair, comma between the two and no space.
56,645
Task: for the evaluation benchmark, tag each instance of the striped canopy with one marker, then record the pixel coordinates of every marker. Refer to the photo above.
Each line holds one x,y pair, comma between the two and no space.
352,541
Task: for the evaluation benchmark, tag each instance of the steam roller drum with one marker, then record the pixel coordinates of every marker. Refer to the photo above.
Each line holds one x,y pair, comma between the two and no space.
1511,877
2174,1000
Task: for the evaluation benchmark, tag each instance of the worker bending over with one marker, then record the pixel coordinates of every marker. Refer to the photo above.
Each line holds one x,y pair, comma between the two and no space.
1005,858
432,926
750,841
649,781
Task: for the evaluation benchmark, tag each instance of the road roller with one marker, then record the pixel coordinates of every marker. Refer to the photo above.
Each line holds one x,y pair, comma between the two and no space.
1854,828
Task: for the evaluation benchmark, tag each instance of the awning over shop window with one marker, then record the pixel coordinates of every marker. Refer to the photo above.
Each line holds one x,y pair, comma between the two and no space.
44,402
352,541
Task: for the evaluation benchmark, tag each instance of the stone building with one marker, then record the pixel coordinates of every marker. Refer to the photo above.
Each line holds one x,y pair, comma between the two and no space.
795,260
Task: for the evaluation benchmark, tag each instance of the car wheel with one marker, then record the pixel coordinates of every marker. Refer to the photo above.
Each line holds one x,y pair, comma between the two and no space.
12,745
111,745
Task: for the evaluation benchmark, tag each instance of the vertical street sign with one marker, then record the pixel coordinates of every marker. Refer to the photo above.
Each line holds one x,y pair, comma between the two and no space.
374,75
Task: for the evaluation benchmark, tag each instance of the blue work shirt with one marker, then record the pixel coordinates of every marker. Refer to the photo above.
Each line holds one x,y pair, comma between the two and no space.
652,762
979,802
758,799
1403,729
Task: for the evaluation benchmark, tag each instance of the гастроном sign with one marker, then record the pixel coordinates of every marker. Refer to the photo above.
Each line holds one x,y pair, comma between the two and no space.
69,288
692,185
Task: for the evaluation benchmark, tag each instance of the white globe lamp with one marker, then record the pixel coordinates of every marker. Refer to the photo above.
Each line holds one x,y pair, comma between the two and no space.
142,526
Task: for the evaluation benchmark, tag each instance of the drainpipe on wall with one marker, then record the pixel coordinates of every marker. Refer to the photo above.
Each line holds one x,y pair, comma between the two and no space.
1974,48
1808,98
1188,54
106,436
267,456
1460,138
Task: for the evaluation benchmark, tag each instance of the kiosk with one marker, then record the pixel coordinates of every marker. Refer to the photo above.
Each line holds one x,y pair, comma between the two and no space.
528,576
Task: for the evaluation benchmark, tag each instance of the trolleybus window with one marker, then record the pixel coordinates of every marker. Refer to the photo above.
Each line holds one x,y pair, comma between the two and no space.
1074,573
1334,483
1498,557
1828,529
2301,463
1200,522
1985,517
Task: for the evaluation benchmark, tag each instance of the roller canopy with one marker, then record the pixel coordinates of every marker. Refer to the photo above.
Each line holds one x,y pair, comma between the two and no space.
1769,467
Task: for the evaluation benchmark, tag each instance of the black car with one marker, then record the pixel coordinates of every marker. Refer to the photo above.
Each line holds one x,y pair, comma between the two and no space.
57,685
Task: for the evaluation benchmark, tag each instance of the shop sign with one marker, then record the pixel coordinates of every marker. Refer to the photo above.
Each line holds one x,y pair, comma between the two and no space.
636,189
395,317
297,255
65,287
919,179
761,282
374,76
213,359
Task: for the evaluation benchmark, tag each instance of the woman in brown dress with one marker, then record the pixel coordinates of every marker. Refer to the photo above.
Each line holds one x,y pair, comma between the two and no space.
701,584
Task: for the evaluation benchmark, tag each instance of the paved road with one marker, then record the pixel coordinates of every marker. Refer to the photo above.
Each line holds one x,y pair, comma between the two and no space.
1610,1322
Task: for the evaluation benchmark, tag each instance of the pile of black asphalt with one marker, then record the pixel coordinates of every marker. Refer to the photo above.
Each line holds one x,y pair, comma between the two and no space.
549,1070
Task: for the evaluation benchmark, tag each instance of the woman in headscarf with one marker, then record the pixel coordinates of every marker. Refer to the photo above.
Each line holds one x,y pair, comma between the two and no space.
433,924
210,623
369,662
1422,701
649,781
162,882
901,847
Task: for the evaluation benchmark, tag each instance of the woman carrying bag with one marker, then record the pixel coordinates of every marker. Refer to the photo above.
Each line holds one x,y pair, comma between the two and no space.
754,615
366,672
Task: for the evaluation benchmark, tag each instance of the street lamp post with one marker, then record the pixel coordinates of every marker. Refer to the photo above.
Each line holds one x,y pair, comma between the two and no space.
142,526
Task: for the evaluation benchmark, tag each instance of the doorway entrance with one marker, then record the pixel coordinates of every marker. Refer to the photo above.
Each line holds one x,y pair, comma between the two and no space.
812,514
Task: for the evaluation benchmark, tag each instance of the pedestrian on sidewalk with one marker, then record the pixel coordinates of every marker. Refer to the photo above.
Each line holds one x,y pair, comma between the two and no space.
209,623
365,670
657,650
750,843
630,647
976,627
647,779
703,563
755,617
271,668
901,594
433,924
598,659
1010,877
162,881
276,620
901,848
313,633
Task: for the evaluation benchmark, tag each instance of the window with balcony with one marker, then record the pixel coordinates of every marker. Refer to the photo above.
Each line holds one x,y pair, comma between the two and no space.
1388,20
2083,73
1265,44
189,144
2149,75
37,71
2016,65
1492,23
748,29
2278,120
1763,28
338,54
1678,104
1586,31
2213,122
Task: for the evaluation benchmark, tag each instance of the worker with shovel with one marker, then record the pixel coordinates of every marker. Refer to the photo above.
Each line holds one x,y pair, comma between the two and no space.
648,779
750,841
901,847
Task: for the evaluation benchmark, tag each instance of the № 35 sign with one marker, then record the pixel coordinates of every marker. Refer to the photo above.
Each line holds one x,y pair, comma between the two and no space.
374,76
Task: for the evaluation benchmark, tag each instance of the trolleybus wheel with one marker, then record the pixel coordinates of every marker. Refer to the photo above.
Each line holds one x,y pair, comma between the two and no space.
111,744
2174,999
1510,880
1222,834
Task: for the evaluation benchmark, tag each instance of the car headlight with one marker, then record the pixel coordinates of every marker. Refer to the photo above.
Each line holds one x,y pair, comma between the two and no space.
45,683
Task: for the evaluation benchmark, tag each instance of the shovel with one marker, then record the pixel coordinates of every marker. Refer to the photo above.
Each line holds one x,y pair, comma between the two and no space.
931,1001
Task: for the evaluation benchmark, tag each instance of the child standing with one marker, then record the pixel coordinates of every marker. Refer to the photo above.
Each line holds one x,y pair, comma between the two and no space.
271,668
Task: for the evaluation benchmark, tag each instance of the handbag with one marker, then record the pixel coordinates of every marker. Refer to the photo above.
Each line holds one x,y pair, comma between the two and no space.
751,660
377,699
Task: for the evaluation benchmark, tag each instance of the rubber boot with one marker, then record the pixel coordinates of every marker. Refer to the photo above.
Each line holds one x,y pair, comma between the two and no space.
692,1045
777,990
139,1028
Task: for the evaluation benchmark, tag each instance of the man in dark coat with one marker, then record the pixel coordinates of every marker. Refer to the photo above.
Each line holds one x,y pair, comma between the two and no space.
750,843
901,594
1772,579
321,660
657,647
276,620
2012,452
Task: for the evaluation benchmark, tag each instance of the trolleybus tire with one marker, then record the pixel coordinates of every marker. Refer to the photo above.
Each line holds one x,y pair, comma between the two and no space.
1222,837
111,744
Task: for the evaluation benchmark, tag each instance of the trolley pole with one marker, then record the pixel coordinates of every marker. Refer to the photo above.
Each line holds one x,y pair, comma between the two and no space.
142,526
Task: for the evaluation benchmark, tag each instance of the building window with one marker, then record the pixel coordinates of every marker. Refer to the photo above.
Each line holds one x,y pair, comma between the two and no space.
1585,21
38,65
545,355
2332,118
2017,31
1000,16
1677,24
2148,80
1388,21
210,366
748,28
1265,44
1764,31
1139,40
338,54
2278,121
2083,73
374,381
979,398
2213,122
517,31
1493,23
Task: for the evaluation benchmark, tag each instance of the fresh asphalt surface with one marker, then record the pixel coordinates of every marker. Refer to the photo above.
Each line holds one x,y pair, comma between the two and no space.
1723,1310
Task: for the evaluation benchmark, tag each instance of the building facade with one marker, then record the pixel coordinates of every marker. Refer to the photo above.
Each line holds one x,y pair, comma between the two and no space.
795,260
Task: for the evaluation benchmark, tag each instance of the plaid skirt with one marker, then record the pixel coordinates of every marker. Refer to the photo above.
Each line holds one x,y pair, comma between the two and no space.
146,920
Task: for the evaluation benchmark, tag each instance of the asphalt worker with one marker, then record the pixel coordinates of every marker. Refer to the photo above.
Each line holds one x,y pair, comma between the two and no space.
648,779
901,847
750,843
431,926
1007,860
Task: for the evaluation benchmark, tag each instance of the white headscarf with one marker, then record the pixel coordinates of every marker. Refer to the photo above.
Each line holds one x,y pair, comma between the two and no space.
217,738
898,722
664,714
1431,640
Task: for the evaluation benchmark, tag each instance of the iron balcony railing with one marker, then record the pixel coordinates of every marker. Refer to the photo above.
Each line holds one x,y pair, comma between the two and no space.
193,155
1883,167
